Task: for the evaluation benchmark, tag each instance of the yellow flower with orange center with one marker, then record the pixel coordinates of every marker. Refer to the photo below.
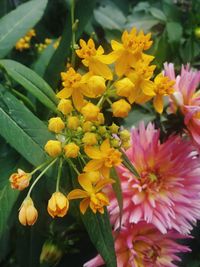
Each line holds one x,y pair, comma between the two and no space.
163,87
103,158
92,184
94,59
20,180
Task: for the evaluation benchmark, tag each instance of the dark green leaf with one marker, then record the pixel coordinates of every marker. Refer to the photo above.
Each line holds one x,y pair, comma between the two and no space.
141,21
158,14
16,24
31,81
174,31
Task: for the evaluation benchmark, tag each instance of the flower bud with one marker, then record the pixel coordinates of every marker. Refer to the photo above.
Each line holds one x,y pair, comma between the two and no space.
71,150
121,108
56,125
126,145
58,205
89,139
20,180
96,86
87,126
115,143
53,148
73,122
28,213
90,112
65,106
125,135
100,118
124,87
51,253
114,128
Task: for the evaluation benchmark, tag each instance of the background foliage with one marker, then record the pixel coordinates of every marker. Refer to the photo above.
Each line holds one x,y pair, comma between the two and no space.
175,27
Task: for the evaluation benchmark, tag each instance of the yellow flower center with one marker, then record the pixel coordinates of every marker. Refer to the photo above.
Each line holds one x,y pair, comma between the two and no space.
164,86
70,78
113,158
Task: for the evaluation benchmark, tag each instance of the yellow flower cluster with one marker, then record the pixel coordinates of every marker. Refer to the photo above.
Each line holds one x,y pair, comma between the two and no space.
83,138
47,41
25,42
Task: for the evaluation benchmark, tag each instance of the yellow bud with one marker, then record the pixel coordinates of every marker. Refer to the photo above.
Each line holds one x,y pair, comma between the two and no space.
100,118
56,125
89,139
53,148
87,126
102,130
115,143
125,135
71,150
126,145
20,180
47,41
51,253
96,86
65,106
121,108
124,87
58,205
114,128
73,122
28,213
90,112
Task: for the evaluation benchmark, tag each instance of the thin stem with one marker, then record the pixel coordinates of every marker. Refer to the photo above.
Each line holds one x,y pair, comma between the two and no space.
109,101
41,174
59,174
73,166
73,42
40,166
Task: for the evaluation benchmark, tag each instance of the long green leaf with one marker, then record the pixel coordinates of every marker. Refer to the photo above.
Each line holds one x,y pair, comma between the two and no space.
31,81
21,129
15,24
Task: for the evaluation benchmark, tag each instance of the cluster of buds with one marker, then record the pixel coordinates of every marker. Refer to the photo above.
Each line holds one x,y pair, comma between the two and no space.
25,42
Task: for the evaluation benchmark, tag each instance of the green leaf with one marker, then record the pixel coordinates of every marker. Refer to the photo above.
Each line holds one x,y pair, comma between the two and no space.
21,129
100,232
16,24
141,21
174,31
31,81
158,14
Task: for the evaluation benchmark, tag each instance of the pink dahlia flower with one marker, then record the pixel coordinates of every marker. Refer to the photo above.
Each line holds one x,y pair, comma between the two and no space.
143,245
187,98
167,194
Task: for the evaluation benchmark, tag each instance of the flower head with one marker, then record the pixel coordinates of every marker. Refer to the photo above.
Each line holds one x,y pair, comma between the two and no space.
142,245
53,148
20,180
167,192
56,125
28,214
58,205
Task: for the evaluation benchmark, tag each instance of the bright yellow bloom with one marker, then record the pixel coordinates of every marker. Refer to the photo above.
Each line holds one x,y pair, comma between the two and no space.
53,148
94,59
96,86
163,87
90,112
65,106
92,185
28,213
20,180
73,122
127,53
71,150
89,139
24,43
103,158
58,205
56,125
121,108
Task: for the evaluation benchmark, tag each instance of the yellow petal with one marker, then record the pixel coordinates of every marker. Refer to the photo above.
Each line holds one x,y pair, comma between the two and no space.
93,152
61,200
84,205
77,99
116,45
99,68
105,146
93,165
64,93
148,87
85,183
105,171
77,193
102,183
121,65
158,103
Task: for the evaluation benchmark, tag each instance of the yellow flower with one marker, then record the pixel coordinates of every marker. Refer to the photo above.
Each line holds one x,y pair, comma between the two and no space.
121,108
114,128
87,126
94,59
24,43
124,87
127,53
92,185
56,125
58,205
73,122
163,87
71,150
100,119
28,213
65,106
90,112
89,139
103,158
96,86
20,180
125,135
53,148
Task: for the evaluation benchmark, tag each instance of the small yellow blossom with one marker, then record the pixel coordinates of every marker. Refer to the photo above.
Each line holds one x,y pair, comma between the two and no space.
163,87
126,145
90,112
24,43
20,180
94,59
53,148
89,139
58,205
65,106
103,158
73,122
71,150
87,126
114,128
56,125
100,118
125,135
92,197
121,108
28,214
96,86
124,87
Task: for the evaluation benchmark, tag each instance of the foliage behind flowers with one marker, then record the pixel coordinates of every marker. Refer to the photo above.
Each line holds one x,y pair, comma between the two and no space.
87,183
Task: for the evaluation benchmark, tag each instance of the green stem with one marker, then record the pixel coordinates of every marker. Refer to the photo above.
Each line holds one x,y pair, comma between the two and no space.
40,166
41,174
73,166
59,174
73,42
128,164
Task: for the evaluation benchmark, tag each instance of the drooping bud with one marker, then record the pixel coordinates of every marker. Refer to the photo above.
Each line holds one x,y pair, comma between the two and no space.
28,213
